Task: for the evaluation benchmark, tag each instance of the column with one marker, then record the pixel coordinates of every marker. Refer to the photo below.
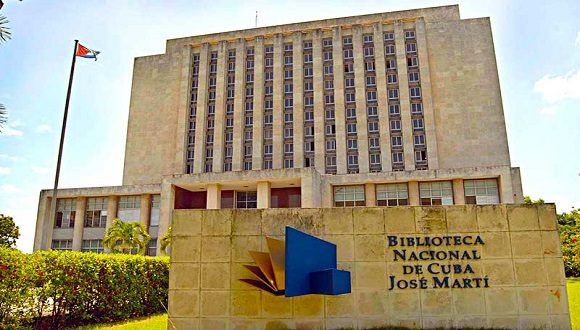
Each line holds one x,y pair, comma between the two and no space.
406,123
310,192
263,194
414,193
44,227
339,115
383,107
145,212
220,107
278,115
112,205
360,97
239,106
214,196
370,195
298,85
258,142
77,242
200,117
458,192
426,95
318,82
183,109
165,212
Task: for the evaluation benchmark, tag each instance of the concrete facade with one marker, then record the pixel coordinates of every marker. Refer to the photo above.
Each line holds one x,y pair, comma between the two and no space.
525,286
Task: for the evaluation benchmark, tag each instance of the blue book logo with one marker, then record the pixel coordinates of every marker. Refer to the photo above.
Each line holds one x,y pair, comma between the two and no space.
301,265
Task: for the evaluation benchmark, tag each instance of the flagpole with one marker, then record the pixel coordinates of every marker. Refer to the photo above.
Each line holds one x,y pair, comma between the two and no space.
62,133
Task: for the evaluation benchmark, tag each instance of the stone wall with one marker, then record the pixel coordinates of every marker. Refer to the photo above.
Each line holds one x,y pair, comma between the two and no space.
520,258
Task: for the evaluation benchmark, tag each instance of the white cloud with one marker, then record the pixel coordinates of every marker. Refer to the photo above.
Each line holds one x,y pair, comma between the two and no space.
549,110
12,158
9,130
556,88
40,170
43,128
5,170
577,42
9,188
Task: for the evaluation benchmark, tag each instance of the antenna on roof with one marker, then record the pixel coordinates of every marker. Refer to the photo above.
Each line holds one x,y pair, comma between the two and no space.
256,18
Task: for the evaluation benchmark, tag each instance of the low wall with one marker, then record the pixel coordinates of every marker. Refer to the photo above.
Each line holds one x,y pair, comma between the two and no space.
496,266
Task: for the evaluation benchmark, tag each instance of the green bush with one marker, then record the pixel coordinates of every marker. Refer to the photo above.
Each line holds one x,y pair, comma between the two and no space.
56,289
570,237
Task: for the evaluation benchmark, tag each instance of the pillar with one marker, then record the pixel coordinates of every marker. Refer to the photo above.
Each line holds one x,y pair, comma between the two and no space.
201,111
298,85
383,108
214,196
361,104
239,106
220,107
112,205
77,242
165,212
319,108
257,141
370,195
145,212
458,192
263,194
278,113
414,193
339,112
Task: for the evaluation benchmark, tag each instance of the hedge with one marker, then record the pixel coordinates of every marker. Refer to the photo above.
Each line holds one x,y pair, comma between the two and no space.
570,237
54,289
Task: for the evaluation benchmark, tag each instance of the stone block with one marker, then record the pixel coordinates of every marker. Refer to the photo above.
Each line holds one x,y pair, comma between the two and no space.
339,306
184,276
399,220
469,302
404,302
437,322
526,244
555,271
186,222
215,303
183,323
497,245
371,303
217,222
338,221
503,322
340,323
309,324
436,302
241,245
184,303
499,271
344,246
430,220
368,220
185,249
461,219
308,306
406,322
557,299
536,322
247,222
522,218
274,221
561,322
501,301
276,306
491,218
372,323
246,303
246,324
215,249
530,272
547,217
213,324
215,276
238,271
469,322
278,324
370,247
551,244
370,275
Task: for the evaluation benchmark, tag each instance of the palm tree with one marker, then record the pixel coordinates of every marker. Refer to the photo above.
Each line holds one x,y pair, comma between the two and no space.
123,237
166,241
4,33
3,116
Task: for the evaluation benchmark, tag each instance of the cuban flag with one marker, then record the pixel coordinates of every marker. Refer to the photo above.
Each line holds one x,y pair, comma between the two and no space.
85,52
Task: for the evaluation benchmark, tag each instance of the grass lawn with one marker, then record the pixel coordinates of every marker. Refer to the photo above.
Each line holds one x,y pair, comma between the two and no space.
159,322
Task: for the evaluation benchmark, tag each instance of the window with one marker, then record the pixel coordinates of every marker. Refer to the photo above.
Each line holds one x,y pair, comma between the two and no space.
247,151
481,191
288,47
231,80
420,156
412,62
247,165
349,68
214,55
229,136
395,125
209,153
249,64
267,164
66,211
229,108
328,70
288,148
329,99
327,55
211,109
330,144
367,39
416,108
248,135
250,51
210,123
308,86
419,140
96,213
375,159
374,143
288,103
390,64
209,139
330,130
349,82
347,41
152,247
327,42
393,194
349,97
232,53
61,244
436,193
246,199
345,196
393,94
269,49
268,149
371,81
268,90
269,75
308,44
418,124
249,120
249,106
411,47
347,54
414,77
372,112
231,93
308,100
330,161
288,74
155,205
397,141
288,117
309,146
351,144
415,92
211,96
269,62
350,113
288,163
351,128
369,51
308,115
309,130
397,157
287,60
328,84
268,118
373,127
213,68
308,72
250,78
288,132
92,245
390,50
391,78
389,36
307,58
370,66
409,34
229,122
371,96
231,66
329,114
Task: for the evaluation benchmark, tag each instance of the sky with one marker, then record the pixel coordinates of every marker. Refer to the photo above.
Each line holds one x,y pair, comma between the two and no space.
537,47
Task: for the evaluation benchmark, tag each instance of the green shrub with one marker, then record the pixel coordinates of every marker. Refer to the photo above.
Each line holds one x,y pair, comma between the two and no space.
570,237
67,288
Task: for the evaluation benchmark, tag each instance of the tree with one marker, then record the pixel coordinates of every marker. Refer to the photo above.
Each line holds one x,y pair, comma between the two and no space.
9,231
166,241
529,201
123,237
4,35
3,116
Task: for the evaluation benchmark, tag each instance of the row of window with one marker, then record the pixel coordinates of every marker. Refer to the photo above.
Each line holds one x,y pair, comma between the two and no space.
96,246
484,191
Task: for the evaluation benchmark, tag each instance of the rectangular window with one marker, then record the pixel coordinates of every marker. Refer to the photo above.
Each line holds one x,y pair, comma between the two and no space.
330,145
229,136
288,163
330,130
420,156
288,103
412,62
288,47
416,108
350,113
349,82
249,64
210,123
375,159
327,42
288,148
249,120
329,114
66,211
390,50
268,149
309,130
248,135
409,34
268,118
391,78
390,64
419,140
349,68
372,112
268,104
232,66
229,108
328,70
309,146
213,68
329,84
61,245
96,213
396,141
308,101
393,94
288,132
92,245
371,96
371,81
367,39
373,127
267,164
349,98
249,106
369,51
395,125
269,62
229,122
352,160
415,92
249,77
308,115
269,75
247,165
481,191
232,53
346,196
231,80
269,49
227,166
348,54
393,194
246,199
370,66
397,157
389,36
351,128
418,124
351,144
268,90
374,143
414,77
346,41
308,72
308,86
307,58
288,117
288,74
436,193
308,44
231,93
250,51
247,151
287,60
330,161
327,55
329,99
